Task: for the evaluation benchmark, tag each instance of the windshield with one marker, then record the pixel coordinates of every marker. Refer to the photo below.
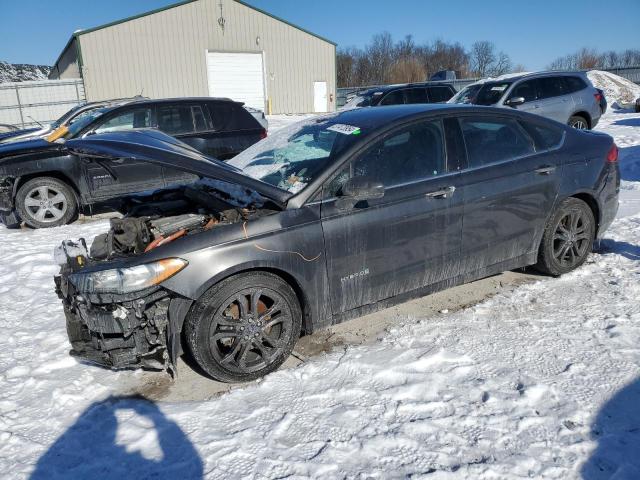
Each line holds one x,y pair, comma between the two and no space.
83,120
63,119
466,95
294,156
482,94
360,100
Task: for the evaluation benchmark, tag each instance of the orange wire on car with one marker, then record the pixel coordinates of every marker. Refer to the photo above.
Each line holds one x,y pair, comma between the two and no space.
246,236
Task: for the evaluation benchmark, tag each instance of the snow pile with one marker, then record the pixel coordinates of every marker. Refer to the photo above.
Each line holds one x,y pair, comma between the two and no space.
540,382
620,92
14,72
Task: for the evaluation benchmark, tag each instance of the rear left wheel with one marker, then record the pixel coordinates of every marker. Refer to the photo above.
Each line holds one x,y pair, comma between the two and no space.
568,238
245,327
578,122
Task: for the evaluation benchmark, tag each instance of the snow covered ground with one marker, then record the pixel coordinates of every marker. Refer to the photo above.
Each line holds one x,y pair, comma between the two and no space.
540,382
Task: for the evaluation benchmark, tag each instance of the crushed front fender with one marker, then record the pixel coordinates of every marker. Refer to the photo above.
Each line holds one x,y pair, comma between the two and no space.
122,332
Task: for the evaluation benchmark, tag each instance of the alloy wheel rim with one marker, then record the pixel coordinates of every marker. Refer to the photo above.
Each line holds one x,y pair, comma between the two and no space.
571,238
250,330
46,204
580,124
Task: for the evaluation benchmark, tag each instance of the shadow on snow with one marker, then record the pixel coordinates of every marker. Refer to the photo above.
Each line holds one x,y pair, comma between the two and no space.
89,449
617,431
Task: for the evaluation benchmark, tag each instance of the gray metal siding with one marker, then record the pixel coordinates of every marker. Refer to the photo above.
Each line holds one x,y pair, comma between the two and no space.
67,66
164,55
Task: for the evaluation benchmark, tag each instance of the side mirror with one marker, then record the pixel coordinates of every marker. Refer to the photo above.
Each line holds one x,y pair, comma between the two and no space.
515,101
358,189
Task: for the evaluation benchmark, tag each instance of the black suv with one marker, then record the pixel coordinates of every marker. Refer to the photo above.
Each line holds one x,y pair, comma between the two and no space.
44,185
408,93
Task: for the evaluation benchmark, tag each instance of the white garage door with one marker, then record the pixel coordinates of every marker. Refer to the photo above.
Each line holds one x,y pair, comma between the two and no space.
238,76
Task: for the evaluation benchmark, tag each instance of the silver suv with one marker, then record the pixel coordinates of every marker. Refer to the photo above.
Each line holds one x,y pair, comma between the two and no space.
568,97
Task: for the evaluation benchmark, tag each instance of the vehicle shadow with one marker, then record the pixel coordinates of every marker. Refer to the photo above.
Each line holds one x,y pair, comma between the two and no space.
629,161
90,448
617,431
628,122
627,250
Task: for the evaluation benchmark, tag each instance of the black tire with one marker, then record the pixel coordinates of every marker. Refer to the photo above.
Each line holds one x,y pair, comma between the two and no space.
567,239
46,202
578,122
244,327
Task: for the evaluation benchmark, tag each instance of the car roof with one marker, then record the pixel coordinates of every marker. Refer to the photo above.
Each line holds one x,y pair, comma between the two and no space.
387,88
182,100
510,77
373,118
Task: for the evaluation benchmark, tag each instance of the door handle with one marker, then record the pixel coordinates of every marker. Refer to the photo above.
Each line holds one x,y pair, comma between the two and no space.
444,193
118,160
545,170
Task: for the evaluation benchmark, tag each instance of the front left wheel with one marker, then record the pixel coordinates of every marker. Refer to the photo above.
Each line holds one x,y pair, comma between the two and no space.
245,327
46,202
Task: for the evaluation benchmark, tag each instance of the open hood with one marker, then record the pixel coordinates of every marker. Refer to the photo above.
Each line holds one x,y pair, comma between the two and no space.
158,148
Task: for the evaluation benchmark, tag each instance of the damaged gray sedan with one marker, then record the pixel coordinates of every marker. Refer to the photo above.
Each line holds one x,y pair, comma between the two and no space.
324,221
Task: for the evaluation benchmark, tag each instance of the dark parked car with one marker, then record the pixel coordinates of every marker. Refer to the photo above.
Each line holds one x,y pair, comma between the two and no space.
44,185
324,221
402,94
638,105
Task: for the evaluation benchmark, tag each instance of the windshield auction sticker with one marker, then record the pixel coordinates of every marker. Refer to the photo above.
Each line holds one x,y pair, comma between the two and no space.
344,129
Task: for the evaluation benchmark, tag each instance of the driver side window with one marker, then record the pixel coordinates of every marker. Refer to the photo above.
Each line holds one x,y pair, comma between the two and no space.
412,154
526,90
139,118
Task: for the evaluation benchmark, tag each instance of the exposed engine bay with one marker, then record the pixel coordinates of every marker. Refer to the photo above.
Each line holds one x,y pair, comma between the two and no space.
160,217
140,328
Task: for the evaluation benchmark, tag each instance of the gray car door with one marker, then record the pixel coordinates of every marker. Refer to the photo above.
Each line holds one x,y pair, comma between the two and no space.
553,100
409,238
509,189
527,90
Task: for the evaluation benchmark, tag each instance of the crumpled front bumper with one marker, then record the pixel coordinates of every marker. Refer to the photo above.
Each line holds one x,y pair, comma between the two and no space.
140,330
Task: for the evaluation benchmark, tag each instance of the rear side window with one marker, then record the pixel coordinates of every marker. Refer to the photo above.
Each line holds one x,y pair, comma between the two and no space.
138,118
227,116
574,84
175,119
526,90
545,137
416,95
439,94
490,140
549,87
393,98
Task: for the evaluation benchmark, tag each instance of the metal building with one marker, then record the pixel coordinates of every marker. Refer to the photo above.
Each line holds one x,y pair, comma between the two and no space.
221,48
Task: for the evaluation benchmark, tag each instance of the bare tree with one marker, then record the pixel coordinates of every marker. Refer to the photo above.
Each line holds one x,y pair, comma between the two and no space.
589,58
407,70
485,61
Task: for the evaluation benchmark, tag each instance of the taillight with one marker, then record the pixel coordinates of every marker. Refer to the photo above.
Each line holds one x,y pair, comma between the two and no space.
263,134
612,156
598,96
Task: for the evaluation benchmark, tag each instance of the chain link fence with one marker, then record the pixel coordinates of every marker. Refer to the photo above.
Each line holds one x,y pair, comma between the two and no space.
28,104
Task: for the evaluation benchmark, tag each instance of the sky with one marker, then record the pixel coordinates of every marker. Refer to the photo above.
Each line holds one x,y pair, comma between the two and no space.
532,33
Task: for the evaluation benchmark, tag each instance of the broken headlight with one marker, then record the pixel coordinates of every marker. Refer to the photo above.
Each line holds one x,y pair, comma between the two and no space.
130,279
